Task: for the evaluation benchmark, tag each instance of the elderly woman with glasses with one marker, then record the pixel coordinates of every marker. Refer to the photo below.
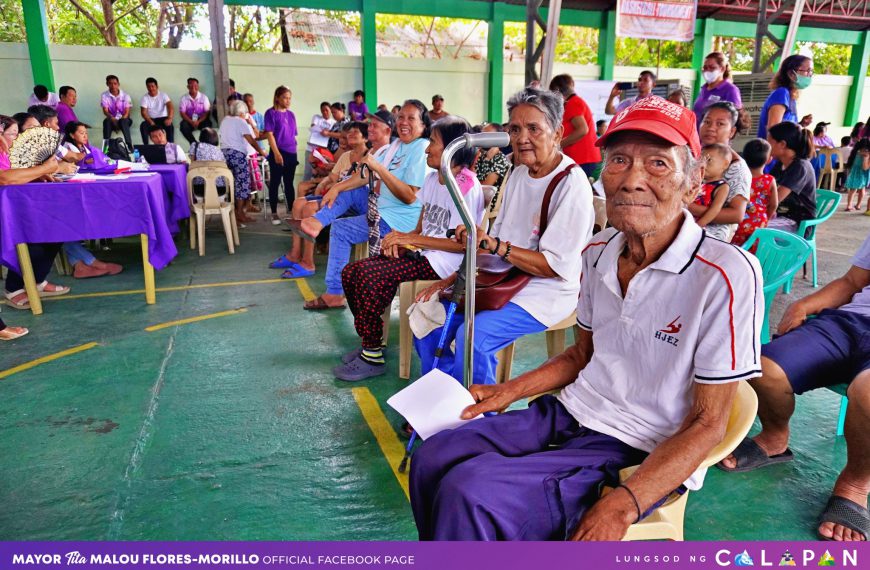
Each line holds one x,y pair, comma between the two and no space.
794,75
552,257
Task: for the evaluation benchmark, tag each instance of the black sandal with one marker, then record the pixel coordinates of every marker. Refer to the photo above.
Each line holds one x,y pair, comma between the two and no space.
849,514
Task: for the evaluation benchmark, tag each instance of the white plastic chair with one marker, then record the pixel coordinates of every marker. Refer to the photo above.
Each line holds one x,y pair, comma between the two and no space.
211,203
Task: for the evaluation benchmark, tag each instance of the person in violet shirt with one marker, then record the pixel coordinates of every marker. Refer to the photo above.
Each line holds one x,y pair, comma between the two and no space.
717,85
281,123
357,109
65,113
194,107
116,105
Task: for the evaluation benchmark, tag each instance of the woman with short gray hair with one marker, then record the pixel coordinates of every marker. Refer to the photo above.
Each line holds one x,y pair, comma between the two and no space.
238,135
548,250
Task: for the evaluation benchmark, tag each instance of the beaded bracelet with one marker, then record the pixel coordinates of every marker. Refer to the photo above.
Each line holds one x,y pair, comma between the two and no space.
497,246
507,251
633,498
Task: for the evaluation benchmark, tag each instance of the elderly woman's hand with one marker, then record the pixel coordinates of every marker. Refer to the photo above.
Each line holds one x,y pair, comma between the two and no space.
435,288
329,198
66,167
393,242
484,241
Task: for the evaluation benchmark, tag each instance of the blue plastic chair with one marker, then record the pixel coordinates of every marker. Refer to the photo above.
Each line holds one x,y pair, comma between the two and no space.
826,204
781,254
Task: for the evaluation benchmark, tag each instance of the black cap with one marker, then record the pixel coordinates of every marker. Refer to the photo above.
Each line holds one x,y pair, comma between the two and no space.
384,117
822,124
437,98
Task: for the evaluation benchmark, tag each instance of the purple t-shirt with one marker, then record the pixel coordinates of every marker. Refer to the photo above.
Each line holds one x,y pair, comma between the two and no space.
725,91
357,112
65,115
283,126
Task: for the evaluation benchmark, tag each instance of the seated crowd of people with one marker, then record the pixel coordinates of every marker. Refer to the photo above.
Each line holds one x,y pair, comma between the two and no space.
652,375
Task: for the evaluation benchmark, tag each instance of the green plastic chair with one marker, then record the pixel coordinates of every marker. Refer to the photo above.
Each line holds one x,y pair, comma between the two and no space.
781,254
826,204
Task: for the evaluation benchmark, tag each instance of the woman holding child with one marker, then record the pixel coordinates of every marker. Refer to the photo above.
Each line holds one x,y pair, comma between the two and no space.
718,126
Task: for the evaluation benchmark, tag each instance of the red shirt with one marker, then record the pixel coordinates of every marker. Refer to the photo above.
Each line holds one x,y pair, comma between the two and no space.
583,151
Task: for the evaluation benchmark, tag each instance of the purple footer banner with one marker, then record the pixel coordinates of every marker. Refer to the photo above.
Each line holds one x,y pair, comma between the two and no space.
440,556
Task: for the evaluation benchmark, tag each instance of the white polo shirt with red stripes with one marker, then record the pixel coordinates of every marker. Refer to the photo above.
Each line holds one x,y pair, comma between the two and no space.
692,316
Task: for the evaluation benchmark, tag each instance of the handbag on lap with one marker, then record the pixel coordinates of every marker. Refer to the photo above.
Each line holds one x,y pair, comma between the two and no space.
494,290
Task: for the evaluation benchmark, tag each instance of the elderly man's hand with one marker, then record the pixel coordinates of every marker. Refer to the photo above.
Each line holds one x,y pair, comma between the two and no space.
329,198
608,519
794,316
482,237
490,398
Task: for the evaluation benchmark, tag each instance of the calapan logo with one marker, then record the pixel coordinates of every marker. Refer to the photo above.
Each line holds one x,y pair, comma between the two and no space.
804,558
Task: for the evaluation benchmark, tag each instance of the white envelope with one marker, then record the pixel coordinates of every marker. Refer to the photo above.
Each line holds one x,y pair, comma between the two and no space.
433,403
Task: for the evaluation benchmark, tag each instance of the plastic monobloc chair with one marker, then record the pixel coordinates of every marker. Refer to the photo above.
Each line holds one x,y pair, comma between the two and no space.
211,203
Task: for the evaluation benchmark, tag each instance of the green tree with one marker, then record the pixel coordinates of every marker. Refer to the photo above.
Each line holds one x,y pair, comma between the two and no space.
12,17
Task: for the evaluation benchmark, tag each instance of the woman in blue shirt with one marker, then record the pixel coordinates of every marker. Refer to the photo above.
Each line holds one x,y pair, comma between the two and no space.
794,75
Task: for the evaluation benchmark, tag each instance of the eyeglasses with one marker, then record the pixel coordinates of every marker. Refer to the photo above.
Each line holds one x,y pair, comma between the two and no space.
805,72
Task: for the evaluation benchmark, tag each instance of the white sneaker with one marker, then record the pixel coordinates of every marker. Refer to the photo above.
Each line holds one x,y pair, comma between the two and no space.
276,221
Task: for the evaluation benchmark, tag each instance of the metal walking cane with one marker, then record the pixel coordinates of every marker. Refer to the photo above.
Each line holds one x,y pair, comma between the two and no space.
468,269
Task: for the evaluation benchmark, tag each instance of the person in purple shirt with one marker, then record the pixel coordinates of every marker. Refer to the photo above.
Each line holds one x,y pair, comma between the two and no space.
280,123
357,109
65,113
717,85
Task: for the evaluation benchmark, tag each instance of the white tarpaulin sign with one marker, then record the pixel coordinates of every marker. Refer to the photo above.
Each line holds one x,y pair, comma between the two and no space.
650,19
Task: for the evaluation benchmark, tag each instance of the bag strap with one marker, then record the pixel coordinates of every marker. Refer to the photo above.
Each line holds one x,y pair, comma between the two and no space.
548,195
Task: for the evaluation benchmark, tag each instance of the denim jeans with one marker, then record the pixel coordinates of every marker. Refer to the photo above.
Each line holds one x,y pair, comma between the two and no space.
76,252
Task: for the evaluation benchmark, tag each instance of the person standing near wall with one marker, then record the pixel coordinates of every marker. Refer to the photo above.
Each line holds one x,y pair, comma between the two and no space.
717,85
116,105
157,109
578,139
357,109
645,83
281,122
437,111
794,75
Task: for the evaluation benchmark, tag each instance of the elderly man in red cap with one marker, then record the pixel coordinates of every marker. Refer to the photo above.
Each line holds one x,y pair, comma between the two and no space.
669,323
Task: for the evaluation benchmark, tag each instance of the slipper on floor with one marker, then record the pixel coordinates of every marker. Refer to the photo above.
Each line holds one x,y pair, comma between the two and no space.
22,305
297,272
11,333
57,290
319,304
750,456
283,263
849,514
296,228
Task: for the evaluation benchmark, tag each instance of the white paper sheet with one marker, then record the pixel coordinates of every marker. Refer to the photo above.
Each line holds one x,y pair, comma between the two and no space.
433,403
82,177
318,139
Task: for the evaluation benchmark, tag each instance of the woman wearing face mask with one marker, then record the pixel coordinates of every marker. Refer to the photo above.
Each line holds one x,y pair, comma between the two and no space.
794,75
717,85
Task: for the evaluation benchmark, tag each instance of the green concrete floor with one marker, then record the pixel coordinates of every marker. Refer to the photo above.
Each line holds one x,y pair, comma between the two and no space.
234,428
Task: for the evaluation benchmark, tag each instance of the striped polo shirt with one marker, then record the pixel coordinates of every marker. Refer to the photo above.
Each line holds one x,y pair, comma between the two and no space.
692,316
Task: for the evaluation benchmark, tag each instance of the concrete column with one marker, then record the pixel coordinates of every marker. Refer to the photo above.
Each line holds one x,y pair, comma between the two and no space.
607,46
369,52
37,43
495,61
858,71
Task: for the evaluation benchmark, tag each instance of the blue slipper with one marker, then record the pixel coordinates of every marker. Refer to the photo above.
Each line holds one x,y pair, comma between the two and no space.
297,273
283,263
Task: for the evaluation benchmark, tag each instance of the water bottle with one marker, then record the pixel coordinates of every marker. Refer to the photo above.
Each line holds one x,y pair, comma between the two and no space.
136,155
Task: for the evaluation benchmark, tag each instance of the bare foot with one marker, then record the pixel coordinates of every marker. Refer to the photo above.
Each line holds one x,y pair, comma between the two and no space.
771,444
857,493
11,333
311,226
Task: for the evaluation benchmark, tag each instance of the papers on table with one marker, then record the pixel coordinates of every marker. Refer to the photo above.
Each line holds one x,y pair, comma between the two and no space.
82,177
133,166
318,139
433,403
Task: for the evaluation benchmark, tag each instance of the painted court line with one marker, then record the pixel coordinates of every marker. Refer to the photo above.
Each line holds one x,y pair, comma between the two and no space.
387,439
49,358
306,291
165,289
189,320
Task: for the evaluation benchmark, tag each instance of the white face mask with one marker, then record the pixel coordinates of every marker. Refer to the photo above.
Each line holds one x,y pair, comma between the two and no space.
711,76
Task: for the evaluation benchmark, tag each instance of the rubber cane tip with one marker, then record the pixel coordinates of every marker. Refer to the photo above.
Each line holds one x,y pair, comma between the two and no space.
403,465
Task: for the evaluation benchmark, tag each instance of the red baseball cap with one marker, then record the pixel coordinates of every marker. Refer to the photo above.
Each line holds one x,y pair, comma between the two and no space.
659,117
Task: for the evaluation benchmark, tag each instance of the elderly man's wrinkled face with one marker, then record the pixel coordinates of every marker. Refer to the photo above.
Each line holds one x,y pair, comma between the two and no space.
379,131
533,139
645,183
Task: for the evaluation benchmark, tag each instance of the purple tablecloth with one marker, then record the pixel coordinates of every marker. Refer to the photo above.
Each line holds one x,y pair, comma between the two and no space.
72,211
175,182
